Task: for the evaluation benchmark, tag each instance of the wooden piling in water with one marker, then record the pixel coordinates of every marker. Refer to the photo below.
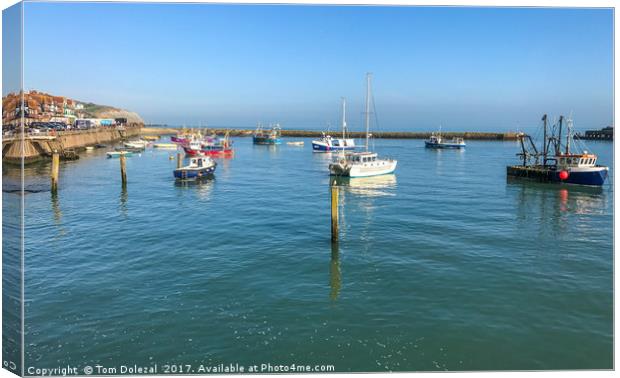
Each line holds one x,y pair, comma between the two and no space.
334,192
55,170
179,160
123,170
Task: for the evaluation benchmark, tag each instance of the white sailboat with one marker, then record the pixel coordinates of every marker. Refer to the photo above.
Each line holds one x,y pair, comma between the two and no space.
361,164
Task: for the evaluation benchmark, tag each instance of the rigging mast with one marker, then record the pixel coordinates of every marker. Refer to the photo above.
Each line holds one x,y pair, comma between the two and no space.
368,75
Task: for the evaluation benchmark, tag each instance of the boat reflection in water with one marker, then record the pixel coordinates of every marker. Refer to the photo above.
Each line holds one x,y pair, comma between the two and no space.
576,199
556,209
373,186
201,186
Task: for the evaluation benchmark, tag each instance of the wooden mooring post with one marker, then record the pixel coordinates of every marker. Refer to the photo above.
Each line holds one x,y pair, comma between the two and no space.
334,192
123,161
179,160
55,170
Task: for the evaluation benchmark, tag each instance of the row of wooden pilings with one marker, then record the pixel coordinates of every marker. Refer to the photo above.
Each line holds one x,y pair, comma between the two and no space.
123,162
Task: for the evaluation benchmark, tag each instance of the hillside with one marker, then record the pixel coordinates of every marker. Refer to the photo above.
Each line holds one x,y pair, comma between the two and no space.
102,111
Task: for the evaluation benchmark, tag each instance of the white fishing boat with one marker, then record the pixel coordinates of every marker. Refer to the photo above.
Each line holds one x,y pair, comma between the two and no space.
165,146
136,144
361,164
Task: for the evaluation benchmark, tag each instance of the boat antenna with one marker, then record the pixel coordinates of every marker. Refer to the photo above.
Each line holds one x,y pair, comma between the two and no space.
544,119
569,130
569,127
558,144
368,76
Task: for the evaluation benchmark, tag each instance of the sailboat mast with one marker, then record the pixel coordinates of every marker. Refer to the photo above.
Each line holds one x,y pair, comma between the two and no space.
344,119
367,108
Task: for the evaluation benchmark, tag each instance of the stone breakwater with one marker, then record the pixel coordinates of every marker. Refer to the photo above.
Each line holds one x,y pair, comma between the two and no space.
468,135
38,147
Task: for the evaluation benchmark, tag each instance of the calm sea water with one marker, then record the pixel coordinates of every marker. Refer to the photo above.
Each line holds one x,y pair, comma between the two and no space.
445,265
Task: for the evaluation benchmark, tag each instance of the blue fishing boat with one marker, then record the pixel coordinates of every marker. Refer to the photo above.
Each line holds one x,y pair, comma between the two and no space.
327,143
199,167
437,141
562,166
269,137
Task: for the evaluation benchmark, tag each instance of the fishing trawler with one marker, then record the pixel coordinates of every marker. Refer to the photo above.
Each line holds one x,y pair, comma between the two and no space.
361,164
199,167
561,166
197,145
269,137
437,141
217,146
328,143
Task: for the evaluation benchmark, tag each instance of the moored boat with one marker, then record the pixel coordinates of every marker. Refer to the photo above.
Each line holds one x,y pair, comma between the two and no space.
328,143
176,139
165,146
361,164
136,144
269,137
300,143
437,141
561,166
199,167
116,154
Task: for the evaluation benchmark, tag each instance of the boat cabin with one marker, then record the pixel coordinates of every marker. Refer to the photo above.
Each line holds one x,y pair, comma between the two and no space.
359,157
576,160
435,139
199,162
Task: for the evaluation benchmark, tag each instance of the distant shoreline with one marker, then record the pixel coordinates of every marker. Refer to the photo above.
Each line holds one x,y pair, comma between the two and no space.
470,135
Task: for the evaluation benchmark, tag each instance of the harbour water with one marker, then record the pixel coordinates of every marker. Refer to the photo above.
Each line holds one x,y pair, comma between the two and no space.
446,265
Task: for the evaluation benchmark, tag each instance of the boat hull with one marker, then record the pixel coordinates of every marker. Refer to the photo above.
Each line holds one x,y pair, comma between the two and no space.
444,145
338,169
209,152
266,140
194,173
319,146
590,176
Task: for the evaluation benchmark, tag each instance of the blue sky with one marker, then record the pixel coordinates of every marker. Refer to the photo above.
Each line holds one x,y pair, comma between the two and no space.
235,65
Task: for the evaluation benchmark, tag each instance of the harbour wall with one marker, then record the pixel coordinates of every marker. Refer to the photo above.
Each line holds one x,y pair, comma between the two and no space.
468,135
37,147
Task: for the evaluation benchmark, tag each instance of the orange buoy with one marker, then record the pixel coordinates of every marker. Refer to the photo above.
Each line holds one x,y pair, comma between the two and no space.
563,175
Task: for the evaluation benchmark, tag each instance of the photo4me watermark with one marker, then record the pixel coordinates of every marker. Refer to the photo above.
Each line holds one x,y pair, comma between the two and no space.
129,369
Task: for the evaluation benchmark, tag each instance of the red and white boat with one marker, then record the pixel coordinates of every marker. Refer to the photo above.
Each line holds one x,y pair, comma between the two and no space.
207,146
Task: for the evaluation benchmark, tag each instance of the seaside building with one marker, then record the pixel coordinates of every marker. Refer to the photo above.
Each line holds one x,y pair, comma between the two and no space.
39,107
